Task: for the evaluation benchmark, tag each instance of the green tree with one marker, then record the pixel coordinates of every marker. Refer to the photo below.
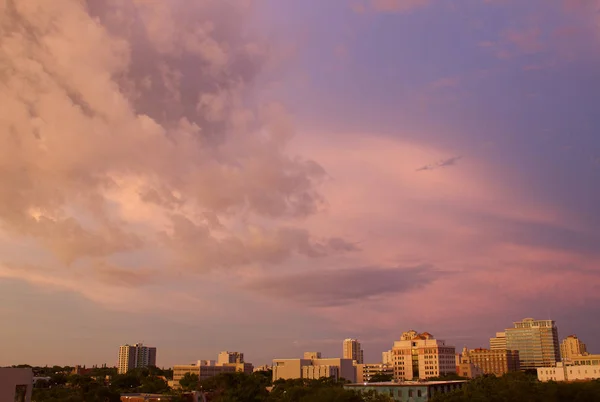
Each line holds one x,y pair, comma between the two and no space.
189,382
381,377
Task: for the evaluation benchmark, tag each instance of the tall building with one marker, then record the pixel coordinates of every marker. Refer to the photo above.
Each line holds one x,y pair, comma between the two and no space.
421,356
352,350
572,347
229,357
497,362
314,368
136,356
536,341
498,342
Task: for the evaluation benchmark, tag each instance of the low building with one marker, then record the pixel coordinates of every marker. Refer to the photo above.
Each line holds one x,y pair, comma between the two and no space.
16,384
313,368
468,370
563,372
585,360
364,372
410,391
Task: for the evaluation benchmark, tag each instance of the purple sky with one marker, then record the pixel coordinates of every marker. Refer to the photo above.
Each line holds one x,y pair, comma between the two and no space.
274,176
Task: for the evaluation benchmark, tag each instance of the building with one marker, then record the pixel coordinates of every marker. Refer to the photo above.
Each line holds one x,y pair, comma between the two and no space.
585,360
264,367
567,372
571,347
498,342
136,356
486,361
408,391
364,372
229,357
208,368
312,355
16,384
351,350
387,357
145,397
536,341
421,356
314,368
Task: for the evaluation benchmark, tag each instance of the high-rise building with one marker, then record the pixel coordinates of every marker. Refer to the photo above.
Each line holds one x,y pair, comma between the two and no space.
498,342
421,356
536,341
572,347
352,350
135,356
229,357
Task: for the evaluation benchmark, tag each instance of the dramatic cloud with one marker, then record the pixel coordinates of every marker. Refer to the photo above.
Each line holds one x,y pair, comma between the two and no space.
128,123
346,286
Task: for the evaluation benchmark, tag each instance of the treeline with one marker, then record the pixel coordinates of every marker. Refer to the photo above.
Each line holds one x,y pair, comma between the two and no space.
522,387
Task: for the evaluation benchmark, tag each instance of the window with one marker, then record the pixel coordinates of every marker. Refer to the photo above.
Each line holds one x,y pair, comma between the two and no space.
419,393
20,392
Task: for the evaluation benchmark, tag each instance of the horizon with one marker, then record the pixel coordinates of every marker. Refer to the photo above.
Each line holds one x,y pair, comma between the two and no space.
273,177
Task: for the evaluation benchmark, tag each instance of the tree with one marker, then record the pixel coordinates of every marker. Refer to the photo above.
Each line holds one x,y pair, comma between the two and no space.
189,382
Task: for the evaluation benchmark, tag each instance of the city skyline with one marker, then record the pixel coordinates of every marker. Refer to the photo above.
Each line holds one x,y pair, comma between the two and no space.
256,175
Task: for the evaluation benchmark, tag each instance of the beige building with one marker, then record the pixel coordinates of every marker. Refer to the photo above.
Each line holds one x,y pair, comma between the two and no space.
364,372
208,368
16,384
312,355
229,357
536,341
585,360
421,356
314,368
571,347
497,362
498,342
135,356
387,357
563,372
351,350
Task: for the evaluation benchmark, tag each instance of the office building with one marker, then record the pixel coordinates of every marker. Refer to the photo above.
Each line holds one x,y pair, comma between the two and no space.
208,368
229,357
314,368
365,372
421,356
351,350
135,356
408,392
536,341
568,372
16,384
497,362
571,347
387,357
498,342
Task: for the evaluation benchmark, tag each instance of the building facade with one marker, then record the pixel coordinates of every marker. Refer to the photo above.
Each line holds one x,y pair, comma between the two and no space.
536,341
314,369
16,384
408,391
229,357
497,362
564,372
421,356
351,350
571,347
498,342
364,372
135,356
208,368
387,357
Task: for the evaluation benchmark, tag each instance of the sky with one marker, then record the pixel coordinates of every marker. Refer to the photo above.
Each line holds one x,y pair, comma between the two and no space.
273,176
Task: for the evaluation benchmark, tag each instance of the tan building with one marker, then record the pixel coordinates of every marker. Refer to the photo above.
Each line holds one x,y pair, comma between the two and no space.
585,360
571,347
207,368
498,342
229,357
312,355
563,372
351,350
497,362
16,384
135,356
421,356
364,372
387,357
311,368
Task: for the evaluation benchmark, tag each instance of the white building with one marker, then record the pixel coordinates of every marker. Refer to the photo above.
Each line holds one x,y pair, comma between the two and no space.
136,356
421,356
562,372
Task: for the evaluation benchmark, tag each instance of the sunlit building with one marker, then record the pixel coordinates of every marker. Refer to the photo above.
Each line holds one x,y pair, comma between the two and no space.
498,342
314,368
351,350
486,361
135,356
571,347
421,356
536,341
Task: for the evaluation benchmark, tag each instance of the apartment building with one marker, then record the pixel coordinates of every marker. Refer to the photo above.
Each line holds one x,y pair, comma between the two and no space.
135,356
351,350
421,356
